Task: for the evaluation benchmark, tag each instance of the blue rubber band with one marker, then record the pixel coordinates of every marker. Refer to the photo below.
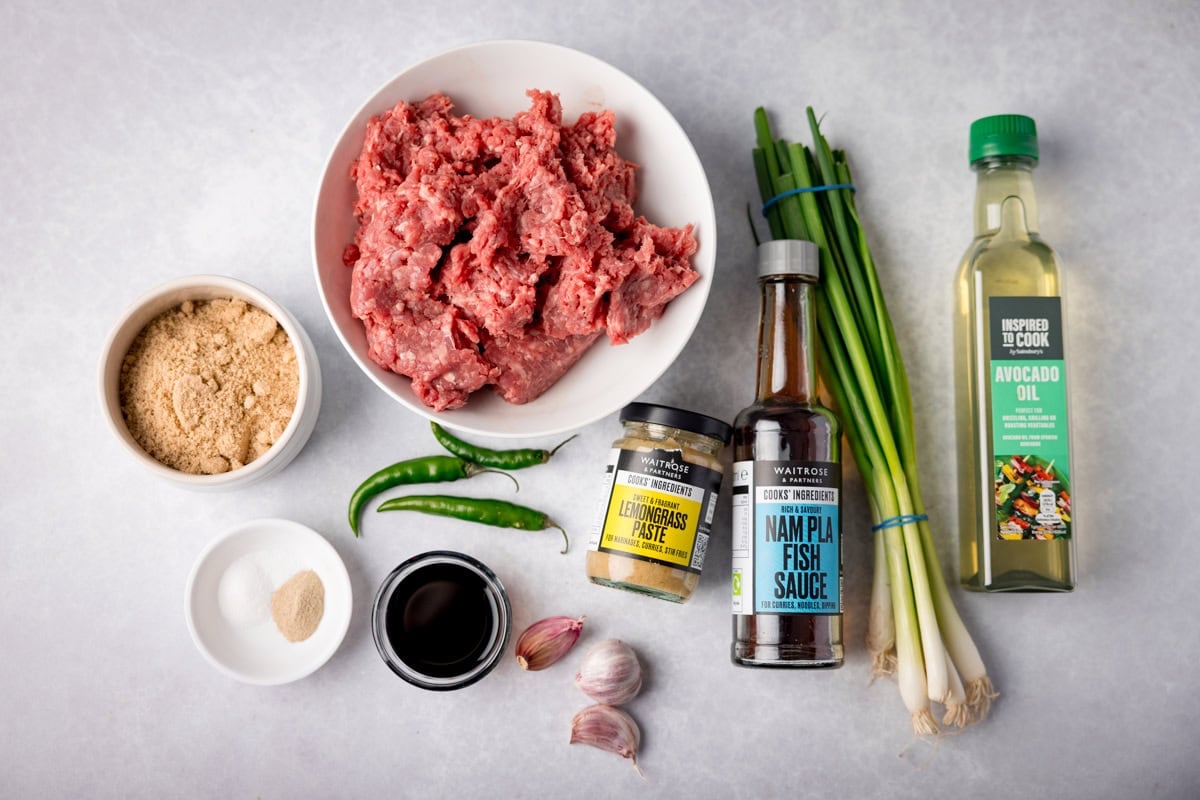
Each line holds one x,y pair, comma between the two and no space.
805,190
896,522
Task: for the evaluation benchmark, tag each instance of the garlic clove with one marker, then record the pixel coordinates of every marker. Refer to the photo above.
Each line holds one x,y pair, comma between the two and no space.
610,673
610,729
547,640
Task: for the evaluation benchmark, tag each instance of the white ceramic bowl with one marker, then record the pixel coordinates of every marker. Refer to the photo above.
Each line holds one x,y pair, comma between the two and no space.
211,287
259,653
490,79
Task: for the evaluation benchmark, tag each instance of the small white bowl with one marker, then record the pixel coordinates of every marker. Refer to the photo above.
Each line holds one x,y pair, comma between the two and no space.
212,287
491,78
259,654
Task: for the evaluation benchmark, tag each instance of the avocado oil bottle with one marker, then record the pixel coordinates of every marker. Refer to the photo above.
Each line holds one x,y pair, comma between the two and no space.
1014,458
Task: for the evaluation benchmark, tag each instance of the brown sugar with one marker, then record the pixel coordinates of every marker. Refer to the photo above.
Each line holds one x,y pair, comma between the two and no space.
209,386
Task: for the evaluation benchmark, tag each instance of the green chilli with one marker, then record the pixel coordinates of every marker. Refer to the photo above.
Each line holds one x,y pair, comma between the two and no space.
498,513
430,469
498,459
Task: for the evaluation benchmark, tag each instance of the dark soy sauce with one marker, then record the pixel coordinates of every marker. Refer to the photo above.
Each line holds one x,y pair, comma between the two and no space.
441,620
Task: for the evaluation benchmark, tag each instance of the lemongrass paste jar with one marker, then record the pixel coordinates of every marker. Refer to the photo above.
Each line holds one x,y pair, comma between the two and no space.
661,485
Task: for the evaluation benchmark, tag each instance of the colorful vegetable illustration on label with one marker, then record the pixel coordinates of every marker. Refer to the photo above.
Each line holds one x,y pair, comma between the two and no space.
1033,499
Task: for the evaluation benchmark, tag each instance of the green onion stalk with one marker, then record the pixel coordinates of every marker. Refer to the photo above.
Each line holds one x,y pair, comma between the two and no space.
914,628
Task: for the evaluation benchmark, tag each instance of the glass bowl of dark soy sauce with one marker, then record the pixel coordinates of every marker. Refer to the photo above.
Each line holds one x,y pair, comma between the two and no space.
441,620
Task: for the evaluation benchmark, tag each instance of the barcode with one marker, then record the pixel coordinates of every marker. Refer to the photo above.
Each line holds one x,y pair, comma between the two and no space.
699,550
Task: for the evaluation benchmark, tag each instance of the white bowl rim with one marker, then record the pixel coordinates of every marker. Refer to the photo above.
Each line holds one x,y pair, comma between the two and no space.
369,368
296,336
314,539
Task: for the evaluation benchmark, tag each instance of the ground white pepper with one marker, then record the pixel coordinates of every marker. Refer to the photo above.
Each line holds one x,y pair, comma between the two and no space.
209,386
298,605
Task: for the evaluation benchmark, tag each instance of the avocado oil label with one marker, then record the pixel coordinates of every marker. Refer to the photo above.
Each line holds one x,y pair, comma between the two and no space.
660,508
786,537
1029,419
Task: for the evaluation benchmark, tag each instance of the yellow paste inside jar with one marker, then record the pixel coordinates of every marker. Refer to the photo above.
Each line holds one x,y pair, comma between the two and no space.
635,574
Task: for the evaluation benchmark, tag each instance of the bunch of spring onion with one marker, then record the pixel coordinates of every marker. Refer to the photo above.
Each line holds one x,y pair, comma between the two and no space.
914,629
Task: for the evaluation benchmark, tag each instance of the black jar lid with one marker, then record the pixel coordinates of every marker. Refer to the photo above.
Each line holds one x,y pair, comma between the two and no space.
677,418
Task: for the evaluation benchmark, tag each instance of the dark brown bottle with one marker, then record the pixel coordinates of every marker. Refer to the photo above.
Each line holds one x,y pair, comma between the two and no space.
787,552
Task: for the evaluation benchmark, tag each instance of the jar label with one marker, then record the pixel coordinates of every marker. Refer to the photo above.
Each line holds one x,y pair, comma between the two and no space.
1031,469
787,542
659,508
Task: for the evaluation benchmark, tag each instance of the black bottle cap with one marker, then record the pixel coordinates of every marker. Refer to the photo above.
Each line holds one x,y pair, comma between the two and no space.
677,418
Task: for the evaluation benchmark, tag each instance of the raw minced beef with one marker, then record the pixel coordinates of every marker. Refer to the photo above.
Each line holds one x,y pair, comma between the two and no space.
496,251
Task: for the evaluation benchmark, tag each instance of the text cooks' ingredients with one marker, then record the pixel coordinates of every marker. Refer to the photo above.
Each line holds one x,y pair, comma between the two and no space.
494,252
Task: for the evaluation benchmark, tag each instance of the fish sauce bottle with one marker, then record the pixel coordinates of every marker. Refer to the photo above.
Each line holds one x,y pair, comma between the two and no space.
1016,518
787,475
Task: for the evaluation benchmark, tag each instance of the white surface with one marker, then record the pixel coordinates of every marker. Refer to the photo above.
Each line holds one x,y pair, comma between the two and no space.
209,287
258,653
142,141
487,80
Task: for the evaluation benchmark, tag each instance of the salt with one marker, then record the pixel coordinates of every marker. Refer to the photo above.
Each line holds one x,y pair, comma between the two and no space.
244,593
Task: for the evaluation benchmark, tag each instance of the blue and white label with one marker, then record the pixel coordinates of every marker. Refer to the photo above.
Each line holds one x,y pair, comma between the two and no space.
787,551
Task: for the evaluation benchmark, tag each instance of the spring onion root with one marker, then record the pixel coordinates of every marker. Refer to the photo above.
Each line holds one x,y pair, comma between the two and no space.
881,625
980,695
914,628
958,713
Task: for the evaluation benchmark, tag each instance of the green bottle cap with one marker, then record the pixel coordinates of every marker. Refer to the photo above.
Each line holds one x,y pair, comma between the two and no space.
1003,135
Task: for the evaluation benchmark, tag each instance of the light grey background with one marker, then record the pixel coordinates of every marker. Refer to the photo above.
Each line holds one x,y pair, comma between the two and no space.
144,141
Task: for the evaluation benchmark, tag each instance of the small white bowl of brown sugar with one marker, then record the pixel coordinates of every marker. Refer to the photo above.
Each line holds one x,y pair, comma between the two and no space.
210,383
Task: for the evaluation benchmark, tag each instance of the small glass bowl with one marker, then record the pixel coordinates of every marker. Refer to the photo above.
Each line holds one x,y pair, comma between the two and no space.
495,603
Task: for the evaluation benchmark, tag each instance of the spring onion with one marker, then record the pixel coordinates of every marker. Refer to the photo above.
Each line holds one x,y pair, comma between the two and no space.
914,628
